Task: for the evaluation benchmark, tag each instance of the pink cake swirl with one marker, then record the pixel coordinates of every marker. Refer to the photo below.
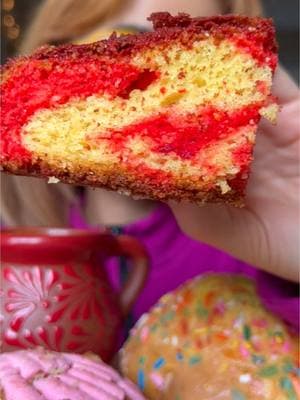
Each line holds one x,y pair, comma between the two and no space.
43,375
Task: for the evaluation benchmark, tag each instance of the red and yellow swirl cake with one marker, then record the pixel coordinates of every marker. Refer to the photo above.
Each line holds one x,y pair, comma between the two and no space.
169,114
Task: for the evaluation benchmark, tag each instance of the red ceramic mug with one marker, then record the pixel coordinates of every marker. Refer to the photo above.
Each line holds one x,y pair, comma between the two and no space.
54,291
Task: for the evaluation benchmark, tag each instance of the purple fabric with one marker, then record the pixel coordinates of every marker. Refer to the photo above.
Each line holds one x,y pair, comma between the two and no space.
176,258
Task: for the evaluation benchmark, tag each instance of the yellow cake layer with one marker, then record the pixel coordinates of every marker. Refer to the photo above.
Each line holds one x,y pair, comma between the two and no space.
206,74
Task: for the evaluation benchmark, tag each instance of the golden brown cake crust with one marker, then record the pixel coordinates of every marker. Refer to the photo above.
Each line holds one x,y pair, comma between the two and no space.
168,29
125,183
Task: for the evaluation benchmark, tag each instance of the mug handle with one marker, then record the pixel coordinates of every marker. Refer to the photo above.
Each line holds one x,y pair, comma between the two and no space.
130,247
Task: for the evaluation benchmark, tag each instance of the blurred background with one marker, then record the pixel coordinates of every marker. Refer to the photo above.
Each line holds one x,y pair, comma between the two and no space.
17,14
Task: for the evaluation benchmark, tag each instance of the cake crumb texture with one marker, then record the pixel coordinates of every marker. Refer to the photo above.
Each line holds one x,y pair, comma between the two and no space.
163,115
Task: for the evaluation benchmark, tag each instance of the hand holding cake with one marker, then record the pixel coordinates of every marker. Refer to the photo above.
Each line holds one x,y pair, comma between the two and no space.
265,233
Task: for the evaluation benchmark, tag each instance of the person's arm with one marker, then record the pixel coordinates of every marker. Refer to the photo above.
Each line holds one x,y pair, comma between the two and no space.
266,233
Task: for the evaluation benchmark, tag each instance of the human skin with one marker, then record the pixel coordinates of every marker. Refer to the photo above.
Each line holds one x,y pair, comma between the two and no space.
136,12
266,232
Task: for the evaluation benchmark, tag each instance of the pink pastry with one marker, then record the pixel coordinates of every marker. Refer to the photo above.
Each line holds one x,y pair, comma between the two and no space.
43,375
